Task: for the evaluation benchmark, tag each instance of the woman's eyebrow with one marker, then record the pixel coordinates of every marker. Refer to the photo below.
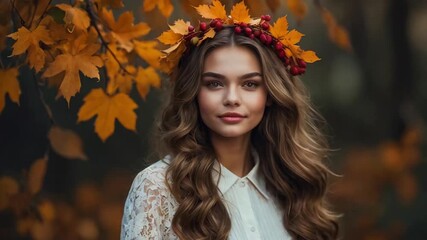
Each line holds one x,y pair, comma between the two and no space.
220,76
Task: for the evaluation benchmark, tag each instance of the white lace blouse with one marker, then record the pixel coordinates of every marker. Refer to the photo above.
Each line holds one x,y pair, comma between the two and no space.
150,207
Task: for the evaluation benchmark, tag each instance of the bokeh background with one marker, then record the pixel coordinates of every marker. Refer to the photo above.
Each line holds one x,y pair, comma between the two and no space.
373,97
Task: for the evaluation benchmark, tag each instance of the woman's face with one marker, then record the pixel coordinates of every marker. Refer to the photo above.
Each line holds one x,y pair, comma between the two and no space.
232,95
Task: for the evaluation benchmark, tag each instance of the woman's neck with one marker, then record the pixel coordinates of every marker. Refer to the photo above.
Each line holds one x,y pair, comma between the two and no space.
234,153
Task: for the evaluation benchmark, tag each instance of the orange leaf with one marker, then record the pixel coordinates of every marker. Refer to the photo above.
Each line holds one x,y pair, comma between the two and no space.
75,16
145,79
108,109
240,13
174,54
309,56
165,6
147,51
124,31
180,27
36,175
210,34
280,28
66,143
29,41
122,80
337,33
216,10
169,37
82,59
298,8
8,187
294,36
9,85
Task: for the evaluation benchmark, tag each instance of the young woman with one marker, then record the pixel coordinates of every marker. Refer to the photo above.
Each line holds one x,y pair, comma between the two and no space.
244,152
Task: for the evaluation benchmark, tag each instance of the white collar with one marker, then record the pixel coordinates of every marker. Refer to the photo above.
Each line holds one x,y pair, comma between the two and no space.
228,178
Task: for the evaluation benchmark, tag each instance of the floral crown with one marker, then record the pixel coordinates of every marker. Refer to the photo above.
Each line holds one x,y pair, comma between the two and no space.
182,36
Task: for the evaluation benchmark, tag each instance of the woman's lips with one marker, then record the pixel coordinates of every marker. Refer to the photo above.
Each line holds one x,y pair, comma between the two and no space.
231,117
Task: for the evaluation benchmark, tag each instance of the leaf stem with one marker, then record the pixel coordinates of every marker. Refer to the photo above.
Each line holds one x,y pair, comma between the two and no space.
12,2
89,9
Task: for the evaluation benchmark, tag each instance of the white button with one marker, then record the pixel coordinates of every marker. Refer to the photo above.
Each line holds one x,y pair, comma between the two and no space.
252,229
242,184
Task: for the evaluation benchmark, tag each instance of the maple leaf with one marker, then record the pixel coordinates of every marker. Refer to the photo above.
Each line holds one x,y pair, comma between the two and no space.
80,58
240,13
298,8
176,33
9,85
216,10
123,31
171,57
165,6
147,51
75,16
121,80
145,79
289,39
29,41
108,109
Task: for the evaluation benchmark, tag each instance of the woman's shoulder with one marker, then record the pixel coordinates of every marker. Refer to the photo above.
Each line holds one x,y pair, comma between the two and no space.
154,174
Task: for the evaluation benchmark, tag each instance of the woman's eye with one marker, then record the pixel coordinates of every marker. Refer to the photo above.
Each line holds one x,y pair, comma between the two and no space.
213,84
251,84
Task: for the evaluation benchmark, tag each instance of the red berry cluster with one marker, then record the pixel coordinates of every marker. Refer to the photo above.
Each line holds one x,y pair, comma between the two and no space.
294,67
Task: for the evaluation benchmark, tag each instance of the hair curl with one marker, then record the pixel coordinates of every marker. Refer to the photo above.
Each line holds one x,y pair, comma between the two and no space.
288,140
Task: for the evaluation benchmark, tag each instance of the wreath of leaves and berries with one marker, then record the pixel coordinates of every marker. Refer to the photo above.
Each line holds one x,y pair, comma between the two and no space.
182,36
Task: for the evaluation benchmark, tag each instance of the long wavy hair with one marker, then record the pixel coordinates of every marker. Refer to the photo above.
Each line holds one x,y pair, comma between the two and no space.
288,139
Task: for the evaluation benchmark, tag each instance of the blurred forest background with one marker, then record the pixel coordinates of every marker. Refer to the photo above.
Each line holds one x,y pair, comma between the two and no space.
71,184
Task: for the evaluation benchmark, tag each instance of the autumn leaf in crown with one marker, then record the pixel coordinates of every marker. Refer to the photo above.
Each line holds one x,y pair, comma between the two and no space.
289,39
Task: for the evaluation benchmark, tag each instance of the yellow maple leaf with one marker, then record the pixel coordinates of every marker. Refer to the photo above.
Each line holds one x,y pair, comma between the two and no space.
29,41
147,51
216,10
165,6
240,13
171,57
209,34
280,28
75,16
289,39
80,58
298,8
123,31
108,109
309,56
9,85
176,32
145,79
121,80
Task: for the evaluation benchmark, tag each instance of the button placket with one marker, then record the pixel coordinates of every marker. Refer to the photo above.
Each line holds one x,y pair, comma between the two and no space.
245,207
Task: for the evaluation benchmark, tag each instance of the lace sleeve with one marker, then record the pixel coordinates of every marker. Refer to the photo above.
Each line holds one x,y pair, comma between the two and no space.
148,208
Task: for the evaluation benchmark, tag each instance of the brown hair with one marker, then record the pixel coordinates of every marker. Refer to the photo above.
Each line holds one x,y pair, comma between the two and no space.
288,140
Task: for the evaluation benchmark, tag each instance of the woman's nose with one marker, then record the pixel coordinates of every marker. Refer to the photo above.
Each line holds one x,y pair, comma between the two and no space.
231,96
